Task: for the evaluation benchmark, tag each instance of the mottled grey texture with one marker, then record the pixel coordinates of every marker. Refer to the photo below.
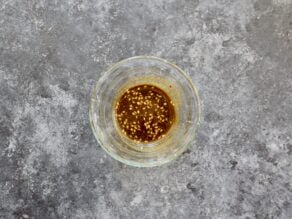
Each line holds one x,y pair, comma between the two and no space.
239,54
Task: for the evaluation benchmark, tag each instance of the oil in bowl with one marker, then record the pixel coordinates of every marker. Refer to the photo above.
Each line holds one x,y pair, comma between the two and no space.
144,113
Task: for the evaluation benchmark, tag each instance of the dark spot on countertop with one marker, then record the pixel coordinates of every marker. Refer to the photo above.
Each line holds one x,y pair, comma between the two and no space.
213,117
262,5
5,132
272,160
261,149
45,92
289,147
64,85
190,41
194,164
196,190
192,188
74,168
233,164
226,43
23,213
187,151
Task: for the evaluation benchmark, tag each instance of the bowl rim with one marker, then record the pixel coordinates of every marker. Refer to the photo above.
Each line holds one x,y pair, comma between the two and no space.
132,162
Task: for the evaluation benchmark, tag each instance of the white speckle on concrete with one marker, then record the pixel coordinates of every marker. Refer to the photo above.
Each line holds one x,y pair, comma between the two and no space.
60,97
137,199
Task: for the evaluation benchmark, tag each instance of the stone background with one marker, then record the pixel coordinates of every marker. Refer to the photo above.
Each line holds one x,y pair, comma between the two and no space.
239,54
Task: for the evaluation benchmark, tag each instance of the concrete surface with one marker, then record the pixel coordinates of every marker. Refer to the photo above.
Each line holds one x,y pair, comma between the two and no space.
239,53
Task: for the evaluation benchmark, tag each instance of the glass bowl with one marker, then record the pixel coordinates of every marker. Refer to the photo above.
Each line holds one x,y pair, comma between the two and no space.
137,71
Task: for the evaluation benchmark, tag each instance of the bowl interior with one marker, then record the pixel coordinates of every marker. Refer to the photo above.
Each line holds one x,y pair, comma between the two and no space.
132,72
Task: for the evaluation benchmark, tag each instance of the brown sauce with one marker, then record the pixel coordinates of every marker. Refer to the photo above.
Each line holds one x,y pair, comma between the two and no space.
144,113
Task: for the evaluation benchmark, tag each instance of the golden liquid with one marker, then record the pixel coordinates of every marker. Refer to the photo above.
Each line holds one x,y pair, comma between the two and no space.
145,113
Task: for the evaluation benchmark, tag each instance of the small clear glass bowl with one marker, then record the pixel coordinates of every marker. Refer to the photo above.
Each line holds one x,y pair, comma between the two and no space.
136,71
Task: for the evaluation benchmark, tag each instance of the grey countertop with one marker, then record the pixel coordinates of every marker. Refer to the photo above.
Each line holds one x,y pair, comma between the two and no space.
238,53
